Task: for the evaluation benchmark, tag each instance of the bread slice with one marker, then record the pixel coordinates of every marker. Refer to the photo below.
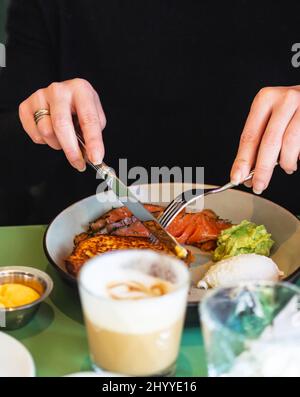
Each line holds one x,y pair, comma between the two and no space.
102,243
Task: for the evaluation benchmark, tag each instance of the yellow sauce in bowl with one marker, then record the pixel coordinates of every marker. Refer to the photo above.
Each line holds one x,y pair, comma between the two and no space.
14,295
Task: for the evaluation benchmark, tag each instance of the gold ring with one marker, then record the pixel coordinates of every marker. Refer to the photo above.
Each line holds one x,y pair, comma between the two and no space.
39,114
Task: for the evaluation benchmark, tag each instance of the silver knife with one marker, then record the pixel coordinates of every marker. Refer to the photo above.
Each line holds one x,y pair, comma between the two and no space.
127,198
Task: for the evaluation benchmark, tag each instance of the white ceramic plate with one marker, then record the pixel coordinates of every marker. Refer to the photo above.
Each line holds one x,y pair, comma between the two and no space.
15,359
232,204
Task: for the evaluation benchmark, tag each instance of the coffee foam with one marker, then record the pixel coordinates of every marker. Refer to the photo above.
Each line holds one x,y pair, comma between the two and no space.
133,289
135,315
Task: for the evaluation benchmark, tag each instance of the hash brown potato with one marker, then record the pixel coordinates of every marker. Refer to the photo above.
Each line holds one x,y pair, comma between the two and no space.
92,246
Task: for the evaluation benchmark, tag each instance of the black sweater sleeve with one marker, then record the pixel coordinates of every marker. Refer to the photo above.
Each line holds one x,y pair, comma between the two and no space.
30,64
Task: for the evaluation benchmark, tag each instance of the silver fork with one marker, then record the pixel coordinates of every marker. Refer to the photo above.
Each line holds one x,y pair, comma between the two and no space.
188,197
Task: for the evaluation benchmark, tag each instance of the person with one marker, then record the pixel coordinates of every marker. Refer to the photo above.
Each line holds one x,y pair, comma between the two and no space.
272,129
153,70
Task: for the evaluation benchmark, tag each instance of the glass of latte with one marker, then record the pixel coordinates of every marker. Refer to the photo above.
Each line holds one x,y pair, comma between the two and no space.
134,305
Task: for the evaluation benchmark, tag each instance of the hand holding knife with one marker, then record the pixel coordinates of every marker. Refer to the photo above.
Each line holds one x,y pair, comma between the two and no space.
127,198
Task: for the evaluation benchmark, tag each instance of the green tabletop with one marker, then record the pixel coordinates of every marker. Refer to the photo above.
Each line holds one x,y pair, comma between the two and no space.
56,336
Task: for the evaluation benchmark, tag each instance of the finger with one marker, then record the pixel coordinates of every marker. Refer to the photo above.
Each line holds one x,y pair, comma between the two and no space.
44,125
254,128
90,124
291,145
47,132
60,108
102,117
271,144
100,110
248,183
28,123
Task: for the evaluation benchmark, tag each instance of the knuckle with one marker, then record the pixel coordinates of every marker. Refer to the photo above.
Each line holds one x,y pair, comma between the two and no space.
93,142
292,136
72,155
239,161
265,93
46,132
248,137
89,119
103,121
261,170
272,140
60,122
40,93
54,86
22,109
56,89
291,96
82,83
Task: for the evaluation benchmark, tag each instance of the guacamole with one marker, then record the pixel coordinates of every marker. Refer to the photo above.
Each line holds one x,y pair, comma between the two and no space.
245,238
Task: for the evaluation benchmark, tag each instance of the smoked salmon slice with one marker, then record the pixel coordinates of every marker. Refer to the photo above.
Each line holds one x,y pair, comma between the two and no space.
200,229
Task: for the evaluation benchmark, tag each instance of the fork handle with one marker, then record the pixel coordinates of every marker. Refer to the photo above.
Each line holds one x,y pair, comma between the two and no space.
250,176
230,185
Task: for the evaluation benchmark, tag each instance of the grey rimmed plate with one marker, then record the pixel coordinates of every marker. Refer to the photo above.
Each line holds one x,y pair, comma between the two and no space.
232,204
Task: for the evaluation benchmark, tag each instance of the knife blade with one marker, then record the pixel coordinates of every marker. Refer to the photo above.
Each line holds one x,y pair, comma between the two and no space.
127,198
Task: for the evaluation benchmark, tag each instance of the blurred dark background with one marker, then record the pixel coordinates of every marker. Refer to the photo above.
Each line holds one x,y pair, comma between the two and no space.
176,79
3,10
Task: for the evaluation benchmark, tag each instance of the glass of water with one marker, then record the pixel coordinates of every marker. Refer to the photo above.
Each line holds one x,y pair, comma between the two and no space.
252,329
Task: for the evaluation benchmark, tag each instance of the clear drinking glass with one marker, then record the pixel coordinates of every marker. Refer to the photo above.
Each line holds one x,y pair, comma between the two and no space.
130,330
252,329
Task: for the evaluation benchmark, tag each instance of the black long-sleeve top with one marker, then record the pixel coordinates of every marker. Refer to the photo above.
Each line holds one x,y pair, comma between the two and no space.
176,79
